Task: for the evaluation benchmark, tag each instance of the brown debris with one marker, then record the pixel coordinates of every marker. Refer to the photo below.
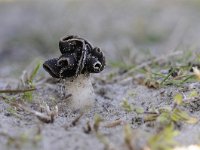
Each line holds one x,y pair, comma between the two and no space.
152,84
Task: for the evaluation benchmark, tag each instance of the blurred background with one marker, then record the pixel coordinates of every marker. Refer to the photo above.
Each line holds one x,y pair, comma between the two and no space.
123,29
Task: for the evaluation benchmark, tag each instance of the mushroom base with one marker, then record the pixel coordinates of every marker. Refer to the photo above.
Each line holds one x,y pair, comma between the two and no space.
83,96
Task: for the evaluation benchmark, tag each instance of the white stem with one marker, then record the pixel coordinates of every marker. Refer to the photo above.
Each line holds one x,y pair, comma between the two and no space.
83,96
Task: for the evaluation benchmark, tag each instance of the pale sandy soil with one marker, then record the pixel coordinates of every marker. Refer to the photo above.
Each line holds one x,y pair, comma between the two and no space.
129,32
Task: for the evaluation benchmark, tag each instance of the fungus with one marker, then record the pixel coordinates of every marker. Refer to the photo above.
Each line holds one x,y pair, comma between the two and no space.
78,59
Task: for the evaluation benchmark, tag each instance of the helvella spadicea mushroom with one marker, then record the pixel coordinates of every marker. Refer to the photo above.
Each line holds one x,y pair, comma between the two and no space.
77,60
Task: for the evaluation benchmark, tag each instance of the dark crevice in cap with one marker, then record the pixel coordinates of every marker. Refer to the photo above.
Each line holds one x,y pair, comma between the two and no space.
68,61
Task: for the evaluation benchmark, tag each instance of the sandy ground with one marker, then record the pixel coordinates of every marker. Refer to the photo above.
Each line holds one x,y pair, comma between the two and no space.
109,96
129,32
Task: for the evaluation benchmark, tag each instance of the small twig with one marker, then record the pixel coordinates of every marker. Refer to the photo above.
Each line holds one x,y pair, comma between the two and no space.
113,124
17,90
68,96
87,129
150,112
75,121
150,117
46,118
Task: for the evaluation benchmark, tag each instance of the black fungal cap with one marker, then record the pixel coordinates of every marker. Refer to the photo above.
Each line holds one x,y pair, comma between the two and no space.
52,68
77,56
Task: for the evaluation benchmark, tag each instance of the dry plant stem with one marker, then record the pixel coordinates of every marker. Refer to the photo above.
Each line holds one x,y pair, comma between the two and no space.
113,124
128,136
148,63
68,96
87,129
104,140
75,121
49,118
150,117
154,113
5,134
17,90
